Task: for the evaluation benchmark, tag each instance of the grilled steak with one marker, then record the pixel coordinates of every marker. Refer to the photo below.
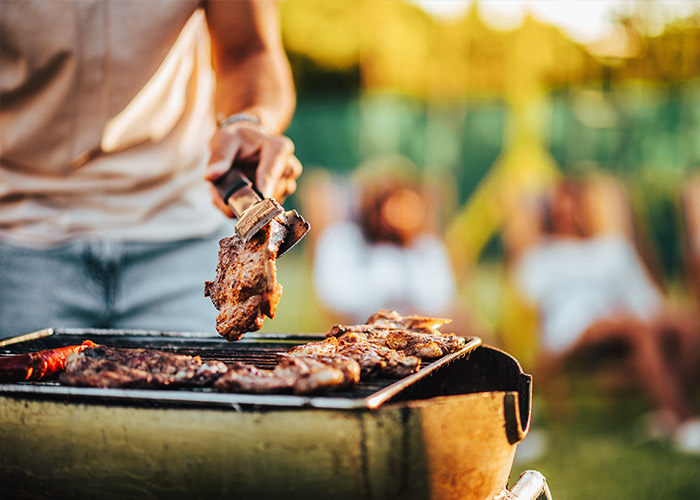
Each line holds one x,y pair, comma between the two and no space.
389,345
372,358
410,335
392,319
102,366
300,375
378,360
245,289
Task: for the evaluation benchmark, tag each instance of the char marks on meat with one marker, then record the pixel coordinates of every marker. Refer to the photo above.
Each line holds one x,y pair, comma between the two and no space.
296,374
372,358
103,366
245,289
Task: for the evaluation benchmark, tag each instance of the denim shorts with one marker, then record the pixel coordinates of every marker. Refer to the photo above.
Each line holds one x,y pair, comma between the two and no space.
95,283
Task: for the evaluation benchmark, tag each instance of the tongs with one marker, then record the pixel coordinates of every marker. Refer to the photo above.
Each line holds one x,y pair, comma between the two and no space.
254,211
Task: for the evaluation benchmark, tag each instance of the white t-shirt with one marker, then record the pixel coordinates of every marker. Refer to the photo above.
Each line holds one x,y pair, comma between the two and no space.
575,282
357,278
105,118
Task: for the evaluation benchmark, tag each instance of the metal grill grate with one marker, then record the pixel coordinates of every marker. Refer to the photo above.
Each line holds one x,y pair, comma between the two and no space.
259,350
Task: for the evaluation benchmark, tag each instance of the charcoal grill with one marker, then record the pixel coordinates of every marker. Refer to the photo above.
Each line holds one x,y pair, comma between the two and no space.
447,431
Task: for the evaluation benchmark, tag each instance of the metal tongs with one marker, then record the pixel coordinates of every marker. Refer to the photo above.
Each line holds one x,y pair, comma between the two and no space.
254,212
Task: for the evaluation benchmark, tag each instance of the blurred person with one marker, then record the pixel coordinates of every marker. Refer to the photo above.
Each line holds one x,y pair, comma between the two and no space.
109,136
593,290
690,215
385,252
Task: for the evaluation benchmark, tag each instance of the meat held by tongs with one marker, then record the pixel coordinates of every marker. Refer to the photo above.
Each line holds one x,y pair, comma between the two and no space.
245,289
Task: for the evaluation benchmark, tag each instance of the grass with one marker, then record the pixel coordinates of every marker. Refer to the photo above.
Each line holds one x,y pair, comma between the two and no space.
600,451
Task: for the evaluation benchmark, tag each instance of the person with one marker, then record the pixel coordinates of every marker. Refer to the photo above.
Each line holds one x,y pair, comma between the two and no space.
108,146
689,204
383,252
592,289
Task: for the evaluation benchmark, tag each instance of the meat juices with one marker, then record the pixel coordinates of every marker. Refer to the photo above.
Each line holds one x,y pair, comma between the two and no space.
245,289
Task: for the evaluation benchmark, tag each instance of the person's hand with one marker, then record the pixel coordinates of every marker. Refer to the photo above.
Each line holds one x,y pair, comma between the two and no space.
268,161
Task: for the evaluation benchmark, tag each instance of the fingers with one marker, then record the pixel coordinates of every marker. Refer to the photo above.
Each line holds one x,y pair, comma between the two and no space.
281,185
278,166
267,160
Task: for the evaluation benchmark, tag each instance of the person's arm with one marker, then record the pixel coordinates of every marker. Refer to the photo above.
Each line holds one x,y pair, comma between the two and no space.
252,77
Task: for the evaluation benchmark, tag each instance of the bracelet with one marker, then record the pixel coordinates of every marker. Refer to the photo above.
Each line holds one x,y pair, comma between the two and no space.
223,121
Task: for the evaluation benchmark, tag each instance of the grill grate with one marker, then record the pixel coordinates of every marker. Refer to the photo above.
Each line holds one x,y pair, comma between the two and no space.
260,350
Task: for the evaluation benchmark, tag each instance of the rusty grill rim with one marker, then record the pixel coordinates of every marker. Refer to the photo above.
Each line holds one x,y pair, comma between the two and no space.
220,400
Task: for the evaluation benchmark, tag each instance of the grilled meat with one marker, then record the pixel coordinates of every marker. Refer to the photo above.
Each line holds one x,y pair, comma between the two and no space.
410,335
326,351
392,319
297,374
245,289
327,347
389,345
38,365
372,358
378,360
350,368
102,366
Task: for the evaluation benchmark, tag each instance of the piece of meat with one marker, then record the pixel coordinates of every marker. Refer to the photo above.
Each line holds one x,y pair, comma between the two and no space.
350,368
372,358
413,323
411,335
326,351
245,289
376,360
296,374
103,366
424,345
38,365
327,346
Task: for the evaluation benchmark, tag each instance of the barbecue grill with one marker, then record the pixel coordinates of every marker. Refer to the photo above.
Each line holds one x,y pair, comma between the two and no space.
448,431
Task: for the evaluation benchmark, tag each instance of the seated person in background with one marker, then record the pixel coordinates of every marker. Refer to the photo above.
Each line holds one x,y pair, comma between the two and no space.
591,288
386,253
690,213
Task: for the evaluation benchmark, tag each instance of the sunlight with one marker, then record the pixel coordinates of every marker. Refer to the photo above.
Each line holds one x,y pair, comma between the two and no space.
585,21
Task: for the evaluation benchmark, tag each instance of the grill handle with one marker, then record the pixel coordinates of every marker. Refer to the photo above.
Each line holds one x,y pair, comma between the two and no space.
517,407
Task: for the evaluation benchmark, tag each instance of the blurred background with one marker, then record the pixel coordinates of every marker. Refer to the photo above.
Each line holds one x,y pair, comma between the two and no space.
488,100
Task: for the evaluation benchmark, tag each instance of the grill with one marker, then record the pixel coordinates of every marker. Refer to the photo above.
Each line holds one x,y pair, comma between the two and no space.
448,431
258,349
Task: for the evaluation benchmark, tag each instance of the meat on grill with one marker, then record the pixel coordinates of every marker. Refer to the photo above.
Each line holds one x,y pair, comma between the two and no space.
103,366
413,323
388,345
300,375
351,368
372,358
410,335
245,289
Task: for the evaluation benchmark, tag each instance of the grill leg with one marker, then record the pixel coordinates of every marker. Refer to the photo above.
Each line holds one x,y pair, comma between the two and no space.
530,486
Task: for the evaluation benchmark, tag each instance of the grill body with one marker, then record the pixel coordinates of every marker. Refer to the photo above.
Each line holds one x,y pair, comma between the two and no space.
446,435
